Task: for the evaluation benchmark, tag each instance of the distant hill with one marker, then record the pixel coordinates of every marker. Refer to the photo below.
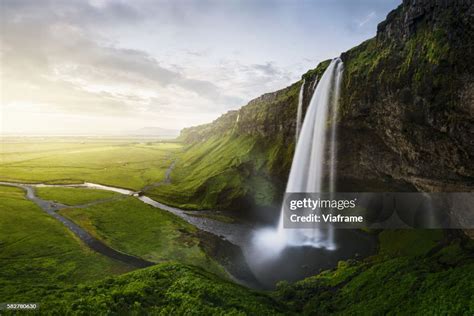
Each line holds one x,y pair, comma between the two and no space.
153,131
148,131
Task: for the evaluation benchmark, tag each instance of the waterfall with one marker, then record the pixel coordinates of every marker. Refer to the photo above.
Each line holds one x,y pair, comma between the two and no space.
306,174
299,114
334,106
333,154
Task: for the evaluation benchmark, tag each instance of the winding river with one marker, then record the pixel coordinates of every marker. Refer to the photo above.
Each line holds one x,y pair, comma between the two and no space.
51,208
234,233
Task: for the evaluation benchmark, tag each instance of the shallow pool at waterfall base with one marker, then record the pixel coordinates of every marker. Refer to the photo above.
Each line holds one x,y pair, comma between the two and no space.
271,262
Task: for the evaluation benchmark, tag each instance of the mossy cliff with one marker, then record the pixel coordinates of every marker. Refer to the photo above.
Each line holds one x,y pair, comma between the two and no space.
406,118
408,97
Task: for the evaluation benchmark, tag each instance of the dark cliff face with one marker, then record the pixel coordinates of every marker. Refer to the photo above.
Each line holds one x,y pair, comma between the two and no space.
406,114
407,106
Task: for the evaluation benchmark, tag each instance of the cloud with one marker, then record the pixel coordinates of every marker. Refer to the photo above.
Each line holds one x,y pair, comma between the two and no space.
62,64
267,69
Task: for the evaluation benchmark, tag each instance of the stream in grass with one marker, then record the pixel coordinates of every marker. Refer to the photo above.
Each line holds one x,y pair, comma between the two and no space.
292,264
51,208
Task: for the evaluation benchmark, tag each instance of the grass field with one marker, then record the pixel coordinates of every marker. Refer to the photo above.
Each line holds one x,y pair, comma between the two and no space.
136,228
73,196
124,163
39,255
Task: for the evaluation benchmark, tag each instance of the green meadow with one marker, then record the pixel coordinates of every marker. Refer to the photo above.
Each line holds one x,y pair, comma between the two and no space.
124,163
74,196
130,226
42,262
38,255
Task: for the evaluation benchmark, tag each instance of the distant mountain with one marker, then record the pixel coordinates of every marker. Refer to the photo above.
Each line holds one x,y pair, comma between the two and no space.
149,131
154,131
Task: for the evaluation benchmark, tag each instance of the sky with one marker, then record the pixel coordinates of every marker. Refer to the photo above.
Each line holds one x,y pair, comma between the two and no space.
107,66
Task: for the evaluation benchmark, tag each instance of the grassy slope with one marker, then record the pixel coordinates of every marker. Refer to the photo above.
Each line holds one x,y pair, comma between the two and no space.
38,255
125,164
410,277
239,161
225,172
165,289
133,227
73,196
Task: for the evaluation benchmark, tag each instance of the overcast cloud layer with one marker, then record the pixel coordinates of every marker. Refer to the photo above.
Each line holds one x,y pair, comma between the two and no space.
82,67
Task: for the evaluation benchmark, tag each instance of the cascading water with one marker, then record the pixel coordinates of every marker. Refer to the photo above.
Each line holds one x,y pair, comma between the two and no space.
333,154
299,112
335,102
306,173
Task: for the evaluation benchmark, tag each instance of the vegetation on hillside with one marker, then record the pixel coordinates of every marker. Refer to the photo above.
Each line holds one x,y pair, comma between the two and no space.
165,289
227,172
423,273
317,72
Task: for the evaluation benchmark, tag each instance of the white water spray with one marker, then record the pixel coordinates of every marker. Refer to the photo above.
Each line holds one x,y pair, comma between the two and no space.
306,173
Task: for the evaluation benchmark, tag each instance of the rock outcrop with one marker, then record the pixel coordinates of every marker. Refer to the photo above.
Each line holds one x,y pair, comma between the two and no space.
408,112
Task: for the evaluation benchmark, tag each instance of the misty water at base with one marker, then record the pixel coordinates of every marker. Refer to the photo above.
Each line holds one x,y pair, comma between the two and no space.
293,263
